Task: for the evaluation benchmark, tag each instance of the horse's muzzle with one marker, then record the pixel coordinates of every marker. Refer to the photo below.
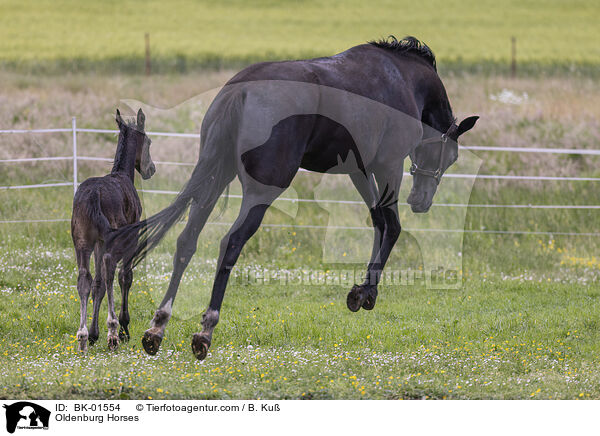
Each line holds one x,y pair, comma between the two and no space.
421,207
419,201
149,172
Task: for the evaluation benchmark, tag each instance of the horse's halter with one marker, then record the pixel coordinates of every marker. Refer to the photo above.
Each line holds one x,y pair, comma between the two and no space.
436,174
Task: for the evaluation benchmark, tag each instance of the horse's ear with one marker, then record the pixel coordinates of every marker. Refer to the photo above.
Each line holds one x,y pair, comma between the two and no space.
119,120
141,120
467,124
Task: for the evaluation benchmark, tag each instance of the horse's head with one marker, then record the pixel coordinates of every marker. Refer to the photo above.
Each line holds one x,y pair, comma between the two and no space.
137,133
430,160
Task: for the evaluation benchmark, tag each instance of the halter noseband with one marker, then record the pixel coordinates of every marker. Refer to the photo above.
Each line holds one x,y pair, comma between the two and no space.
436,174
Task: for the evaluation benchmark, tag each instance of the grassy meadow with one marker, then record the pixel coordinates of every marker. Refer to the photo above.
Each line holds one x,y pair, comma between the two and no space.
523,324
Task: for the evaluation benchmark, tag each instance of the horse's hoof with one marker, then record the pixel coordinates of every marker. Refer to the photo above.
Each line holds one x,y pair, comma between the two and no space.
369,303
200,346
355,298
123,334
151,342
83,343
92,338
113,343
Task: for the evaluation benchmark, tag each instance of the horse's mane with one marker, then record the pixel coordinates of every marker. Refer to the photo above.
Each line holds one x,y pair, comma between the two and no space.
408,44
122,143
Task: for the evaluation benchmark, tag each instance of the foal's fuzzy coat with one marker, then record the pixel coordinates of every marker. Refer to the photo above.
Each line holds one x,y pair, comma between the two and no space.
102,204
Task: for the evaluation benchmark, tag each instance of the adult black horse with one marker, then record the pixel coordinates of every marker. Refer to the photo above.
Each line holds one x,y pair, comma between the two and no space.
360,112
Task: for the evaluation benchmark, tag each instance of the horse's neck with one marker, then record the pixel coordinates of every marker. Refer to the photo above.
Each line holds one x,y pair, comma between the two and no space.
124,158
438,118
437,112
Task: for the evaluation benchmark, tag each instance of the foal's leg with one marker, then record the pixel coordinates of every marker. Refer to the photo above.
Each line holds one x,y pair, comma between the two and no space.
186,247
385,219
252,211
98,291
109,266
125,280
84,282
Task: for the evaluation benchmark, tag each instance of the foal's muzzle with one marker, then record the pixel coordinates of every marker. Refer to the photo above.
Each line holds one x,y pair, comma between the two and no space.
149,172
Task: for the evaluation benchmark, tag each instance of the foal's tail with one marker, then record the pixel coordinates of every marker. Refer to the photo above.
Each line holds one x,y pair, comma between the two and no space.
205,185
94,212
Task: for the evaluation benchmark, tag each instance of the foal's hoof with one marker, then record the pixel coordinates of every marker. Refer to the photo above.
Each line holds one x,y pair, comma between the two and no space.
124,334
93,337
113,343
200,346
151,341
83,343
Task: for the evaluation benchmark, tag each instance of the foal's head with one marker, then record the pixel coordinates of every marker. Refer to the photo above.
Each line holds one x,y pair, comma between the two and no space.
430,160
134,134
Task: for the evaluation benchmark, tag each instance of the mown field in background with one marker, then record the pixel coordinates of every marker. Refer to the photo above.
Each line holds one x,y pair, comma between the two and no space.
524,324
64,36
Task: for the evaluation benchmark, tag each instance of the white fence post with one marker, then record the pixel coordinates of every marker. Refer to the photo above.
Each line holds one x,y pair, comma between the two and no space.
74,126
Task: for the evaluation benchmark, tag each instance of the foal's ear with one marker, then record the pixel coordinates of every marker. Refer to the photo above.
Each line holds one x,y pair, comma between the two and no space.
141,120
467,124
119,120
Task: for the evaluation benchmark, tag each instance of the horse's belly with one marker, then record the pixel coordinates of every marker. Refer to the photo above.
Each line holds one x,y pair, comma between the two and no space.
333,159
332,149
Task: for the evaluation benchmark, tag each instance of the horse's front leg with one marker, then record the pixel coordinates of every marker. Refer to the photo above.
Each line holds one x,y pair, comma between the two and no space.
387,230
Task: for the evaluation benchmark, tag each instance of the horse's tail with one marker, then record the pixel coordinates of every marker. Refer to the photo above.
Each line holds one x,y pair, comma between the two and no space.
95,214
212,174
206,184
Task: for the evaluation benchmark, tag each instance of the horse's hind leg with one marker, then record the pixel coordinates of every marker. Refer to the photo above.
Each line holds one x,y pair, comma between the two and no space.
125,280
108,273
98,291
84,283
186,247
247,223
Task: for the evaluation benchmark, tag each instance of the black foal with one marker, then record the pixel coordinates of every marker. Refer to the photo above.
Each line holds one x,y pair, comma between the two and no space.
102,204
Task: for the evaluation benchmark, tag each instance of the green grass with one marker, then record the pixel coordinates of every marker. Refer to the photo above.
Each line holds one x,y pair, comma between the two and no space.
65,35
524,323
521,337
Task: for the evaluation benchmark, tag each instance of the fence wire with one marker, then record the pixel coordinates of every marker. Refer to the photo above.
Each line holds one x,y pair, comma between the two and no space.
75,158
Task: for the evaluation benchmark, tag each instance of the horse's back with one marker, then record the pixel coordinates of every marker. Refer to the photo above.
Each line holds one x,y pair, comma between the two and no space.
364,70
104,203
